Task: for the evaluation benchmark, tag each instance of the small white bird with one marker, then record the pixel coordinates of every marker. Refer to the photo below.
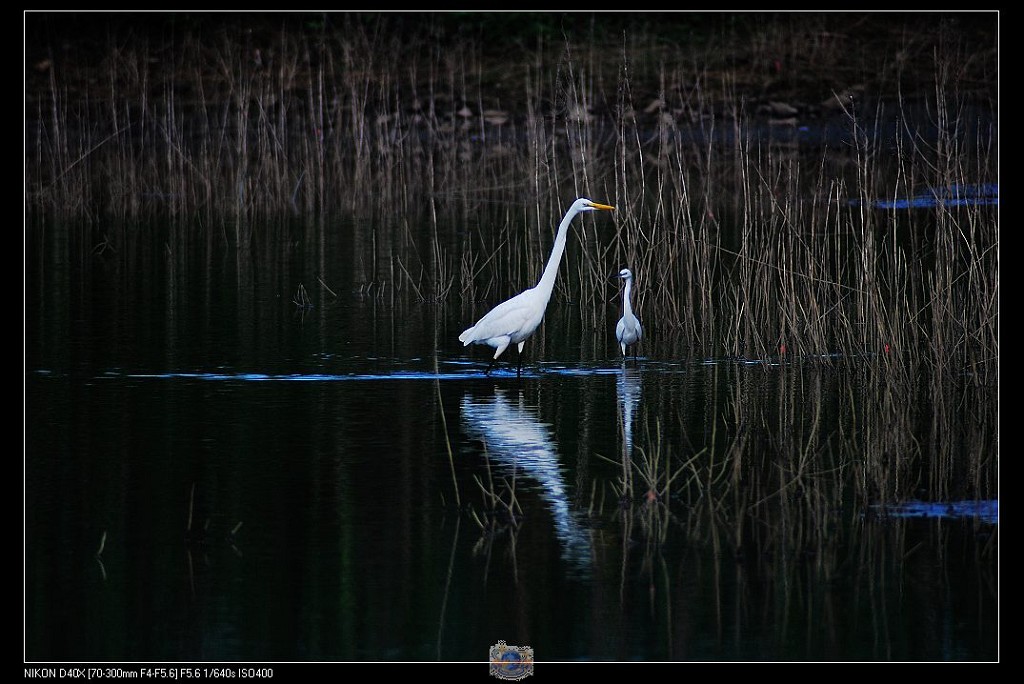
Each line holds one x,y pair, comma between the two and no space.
627,330
515,319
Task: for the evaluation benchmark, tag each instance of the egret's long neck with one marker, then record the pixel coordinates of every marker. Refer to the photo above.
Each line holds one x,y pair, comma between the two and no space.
547,279
625,296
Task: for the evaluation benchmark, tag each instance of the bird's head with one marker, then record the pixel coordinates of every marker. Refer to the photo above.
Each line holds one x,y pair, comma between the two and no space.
625,274
584,204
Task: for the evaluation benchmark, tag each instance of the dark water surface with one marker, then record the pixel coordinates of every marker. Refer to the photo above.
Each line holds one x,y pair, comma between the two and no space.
213,473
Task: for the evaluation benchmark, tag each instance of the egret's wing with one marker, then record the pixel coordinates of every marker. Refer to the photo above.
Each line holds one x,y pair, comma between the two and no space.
628,331
504,320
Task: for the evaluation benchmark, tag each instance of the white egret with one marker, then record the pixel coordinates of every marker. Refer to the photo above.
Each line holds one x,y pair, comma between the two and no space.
515,319
627,330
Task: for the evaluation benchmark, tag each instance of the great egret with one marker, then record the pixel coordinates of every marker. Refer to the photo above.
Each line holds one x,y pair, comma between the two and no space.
627,330
515,319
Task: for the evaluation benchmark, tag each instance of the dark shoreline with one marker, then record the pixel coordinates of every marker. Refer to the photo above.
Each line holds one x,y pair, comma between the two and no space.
875,56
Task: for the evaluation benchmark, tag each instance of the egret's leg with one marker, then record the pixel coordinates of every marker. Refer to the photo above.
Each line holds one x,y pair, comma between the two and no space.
497,352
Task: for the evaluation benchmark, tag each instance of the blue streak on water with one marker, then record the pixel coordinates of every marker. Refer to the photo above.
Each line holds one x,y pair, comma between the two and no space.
455,369
302,377
981,194
986,511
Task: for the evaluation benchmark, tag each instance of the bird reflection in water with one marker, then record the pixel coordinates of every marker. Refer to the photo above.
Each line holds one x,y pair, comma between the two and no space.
627,389
515,437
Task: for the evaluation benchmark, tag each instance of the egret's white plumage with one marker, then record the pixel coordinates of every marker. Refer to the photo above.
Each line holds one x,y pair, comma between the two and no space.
628,330
515,319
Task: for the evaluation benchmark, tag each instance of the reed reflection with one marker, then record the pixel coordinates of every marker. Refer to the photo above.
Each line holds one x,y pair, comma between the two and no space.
514,436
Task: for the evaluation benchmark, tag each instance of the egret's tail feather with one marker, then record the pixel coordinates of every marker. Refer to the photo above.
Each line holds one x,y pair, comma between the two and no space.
466,337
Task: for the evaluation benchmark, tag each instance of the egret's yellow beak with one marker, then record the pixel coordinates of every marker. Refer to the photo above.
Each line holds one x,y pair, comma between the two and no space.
606,207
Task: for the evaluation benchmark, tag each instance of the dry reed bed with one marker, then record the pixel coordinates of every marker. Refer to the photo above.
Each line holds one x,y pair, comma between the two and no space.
710,212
